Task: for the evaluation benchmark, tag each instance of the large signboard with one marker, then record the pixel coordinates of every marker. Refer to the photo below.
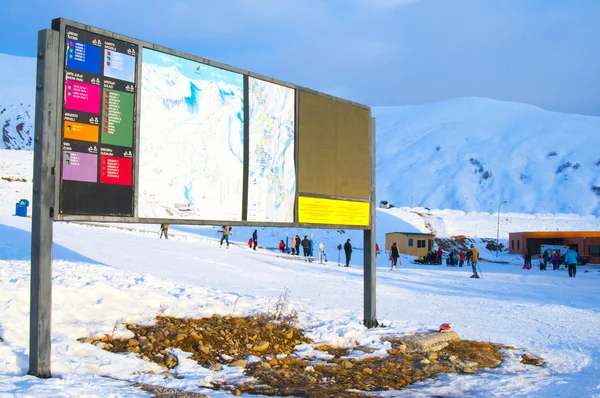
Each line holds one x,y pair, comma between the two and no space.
150,135
98,128
191,140
272,174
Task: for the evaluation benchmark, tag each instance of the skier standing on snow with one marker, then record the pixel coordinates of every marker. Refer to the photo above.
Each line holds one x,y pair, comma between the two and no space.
571,261
439,256
348,251
394,254
474,259
255,239
225,237
461,258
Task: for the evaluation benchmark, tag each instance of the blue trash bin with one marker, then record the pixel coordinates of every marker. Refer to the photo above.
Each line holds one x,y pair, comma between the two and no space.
21,208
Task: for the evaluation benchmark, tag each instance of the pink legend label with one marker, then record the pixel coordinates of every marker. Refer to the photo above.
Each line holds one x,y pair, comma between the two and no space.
82,97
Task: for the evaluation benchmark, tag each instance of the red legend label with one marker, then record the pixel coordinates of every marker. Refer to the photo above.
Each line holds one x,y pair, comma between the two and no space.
115,170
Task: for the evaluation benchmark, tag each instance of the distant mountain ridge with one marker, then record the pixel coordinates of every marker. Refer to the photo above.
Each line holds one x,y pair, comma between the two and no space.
468,154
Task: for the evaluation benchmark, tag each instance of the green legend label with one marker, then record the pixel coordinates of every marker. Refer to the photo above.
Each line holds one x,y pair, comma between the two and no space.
117,118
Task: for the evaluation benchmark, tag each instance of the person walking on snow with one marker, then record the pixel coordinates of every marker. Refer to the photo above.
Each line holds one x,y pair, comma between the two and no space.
255,239
394,254
348,251
474,260
226,231
164,229
461,258
571,261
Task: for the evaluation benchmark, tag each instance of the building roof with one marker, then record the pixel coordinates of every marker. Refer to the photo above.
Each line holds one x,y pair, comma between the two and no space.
559,234
411,233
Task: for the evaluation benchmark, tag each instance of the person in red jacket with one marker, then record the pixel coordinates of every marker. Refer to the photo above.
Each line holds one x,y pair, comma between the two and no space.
282,246
376,248
461,258
439,255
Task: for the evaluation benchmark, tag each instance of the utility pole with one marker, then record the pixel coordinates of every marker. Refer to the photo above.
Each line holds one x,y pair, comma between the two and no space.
498,227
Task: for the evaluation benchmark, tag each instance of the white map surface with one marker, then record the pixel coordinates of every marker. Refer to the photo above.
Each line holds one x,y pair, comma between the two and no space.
272,175
191,140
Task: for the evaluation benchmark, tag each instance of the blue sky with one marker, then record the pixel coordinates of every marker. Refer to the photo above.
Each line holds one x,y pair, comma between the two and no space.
377,52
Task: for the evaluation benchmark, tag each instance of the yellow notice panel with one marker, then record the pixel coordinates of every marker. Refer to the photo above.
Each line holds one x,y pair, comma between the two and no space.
332,212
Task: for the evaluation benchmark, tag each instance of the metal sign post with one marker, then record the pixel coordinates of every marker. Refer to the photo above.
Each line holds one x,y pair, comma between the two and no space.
370,257
44,149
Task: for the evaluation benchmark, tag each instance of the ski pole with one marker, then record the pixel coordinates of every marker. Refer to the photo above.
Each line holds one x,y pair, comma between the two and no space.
480,273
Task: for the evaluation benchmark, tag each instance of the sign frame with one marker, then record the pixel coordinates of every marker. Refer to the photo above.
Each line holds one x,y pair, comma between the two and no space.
48,135
60,24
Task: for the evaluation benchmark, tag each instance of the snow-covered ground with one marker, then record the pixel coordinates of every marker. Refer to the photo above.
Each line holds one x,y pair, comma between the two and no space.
106,275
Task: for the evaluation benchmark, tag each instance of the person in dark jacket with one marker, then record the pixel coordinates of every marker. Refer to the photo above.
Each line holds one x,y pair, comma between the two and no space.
254,239
394,254
306,246
298,244
546,257
348,251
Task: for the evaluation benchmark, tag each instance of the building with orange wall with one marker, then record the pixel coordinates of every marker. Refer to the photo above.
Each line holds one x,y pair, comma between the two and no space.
586,243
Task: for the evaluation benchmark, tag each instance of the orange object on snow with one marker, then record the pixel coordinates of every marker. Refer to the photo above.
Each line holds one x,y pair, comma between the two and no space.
445,327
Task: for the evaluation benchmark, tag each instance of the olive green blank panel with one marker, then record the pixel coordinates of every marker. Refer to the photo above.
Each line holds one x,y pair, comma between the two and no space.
333,147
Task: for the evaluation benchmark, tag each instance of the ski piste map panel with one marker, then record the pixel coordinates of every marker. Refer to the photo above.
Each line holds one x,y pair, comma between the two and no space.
191,151
98,125
271,169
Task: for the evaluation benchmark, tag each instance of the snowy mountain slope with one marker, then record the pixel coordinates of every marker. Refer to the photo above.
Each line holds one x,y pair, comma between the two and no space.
17,98
473,153
466,154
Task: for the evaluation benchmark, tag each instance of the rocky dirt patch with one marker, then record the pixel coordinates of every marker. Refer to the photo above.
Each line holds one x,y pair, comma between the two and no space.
220,341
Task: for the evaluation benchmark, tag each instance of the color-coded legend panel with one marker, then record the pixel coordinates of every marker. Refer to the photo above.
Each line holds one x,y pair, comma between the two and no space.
98,125
82,97
117,118
78,166
115,170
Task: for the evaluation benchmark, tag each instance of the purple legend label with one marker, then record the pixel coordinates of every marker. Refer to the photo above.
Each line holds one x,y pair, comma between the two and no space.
79,166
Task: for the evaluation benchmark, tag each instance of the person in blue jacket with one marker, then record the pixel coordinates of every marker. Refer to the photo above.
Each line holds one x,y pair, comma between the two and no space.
571,261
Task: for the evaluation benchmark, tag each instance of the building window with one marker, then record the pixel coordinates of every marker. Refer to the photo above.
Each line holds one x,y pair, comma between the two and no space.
410,242
512,242
594,251
518,245
421,244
